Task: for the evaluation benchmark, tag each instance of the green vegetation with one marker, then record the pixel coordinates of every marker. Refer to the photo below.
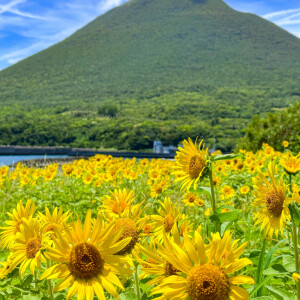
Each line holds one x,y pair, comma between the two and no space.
126,124
273,129
160,69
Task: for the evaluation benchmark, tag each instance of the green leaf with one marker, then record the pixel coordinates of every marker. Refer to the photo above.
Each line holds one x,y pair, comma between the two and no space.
228,216
128,296
263,298
275,270
259,272
280,294
295,214
270,254
223,157
27,281
225,226
258,286
214,218
206,190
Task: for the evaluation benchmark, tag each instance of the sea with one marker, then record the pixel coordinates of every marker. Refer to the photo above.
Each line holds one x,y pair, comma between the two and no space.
7,160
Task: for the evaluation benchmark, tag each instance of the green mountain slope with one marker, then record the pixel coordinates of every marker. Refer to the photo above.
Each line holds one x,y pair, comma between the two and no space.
158,44
151,69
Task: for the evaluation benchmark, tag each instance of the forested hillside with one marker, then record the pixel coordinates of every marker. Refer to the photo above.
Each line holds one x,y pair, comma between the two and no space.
152,69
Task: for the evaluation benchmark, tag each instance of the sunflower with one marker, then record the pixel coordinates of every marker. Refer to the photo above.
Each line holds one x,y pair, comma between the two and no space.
169,213
8,233
291,163
28,246
131,223
51,222
296,276
158,187
216,180
116,203
191,199
226,192
245,189
204,271
153,265
6,267
285,144
271,197
86,259
191,163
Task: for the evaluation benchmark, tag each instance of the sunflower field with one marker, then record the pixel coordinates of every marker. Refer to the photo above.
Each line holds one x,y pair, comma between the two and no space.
199,227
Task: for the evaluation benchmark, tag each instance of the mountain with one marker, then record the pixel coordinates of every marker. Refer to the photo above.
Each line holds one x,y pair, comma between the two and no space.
158,44
173,58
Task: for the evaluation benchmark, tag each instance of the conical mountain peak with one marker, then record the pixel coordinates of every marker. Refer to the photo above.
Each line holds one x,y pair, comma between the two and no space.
158,44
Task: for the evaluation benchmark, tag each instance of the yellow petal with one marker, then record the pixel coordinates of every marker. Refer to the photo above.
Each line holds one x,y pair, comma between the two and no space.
241,279
238,293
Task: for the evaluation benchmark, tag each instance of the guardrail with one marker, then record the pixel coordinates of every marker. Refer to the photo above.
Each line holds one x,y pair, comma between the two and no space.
24,150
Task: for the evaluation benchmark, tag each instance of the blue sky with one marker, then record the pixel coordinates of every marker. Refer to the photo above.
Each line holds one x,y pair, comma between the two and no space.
29,26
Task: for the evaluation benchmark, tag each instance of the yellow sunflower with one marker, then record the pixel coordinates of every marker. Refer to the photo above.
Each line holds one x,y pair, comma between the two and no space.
56,220
226,192
153,264
245,189
204,271
158,187
8,233
296,276
169,213
116,203
132,226
285,144
28,246
191,199
291,163
6,267
191,163
271,197
86,259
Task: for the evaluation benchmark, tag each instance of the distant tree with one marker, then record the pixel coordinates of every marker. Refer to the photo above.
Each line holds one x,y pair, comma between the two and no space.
108,109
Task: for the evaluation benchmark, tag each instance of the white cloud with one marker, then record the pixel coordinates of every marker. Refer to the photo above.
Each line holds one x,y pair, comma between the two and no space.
40,31
280,13
41,27
292,19
8,6
288,19
109,4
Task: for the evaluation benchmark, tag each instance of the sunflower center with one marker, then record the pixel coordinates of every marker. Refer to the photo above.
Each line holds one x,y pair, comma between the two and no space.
274,201
240,166
147,229
149,261
196,166
168,223
207,282
17,226
85,261
191,198
50,227
170,270
129,230
158,189
118,207
32,247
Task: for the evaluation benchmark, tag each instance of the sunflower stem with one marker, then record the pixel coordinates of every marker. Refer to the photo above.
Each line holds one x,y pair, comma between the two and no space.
290,182
213,198
295,242
49,282
35,280
137,284
260,267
